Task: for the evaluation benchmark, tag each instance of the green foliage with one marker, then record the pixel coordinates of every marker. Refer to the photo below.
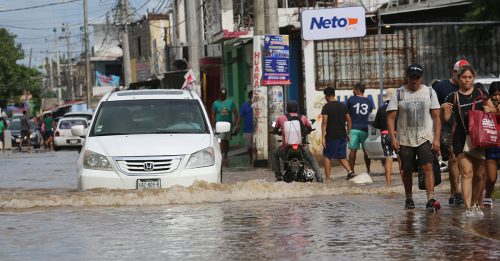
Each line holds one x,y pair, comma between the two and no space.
482,10
15,78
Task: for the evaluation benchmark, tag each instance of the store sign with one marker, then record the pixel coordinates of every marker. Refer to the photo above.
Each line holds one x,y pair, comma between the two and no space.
333,23
276,60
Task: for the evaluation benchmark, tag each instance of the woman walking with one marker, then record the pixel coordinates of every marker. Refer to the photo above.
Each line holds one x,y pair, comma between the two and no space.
471,164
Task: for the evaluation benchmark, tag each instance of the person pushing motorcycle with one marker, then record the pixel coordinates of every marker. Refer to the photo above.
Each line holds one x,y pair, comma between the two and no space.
292,108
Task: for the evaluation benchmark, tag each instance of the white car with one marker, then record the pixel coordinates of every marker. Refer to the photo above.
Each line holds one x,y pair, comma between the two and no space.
145,139
79,114
63,136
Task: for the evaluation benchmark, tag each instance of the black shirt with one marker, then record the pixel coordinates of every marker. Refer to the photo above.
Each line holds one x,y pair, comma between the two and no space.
465,102
380,121
336,125
444,89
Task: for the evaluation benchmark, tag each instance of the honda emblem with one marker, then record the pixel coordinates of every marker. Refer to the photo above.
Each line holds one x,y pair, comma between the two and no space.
149,166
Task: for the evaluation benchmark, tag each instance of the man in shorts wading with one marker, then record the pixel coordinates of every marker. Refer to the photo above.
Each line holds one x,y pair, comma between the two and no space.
246,114
417,108
334,119
224,109
359,108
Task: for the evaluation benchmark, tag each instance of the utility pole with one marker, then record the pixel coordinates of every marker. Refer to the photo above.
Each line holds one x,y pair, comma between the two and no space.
69,89
88,78
193,37
274,93
59,95
31,51
51,72
125,45
259,19
260,101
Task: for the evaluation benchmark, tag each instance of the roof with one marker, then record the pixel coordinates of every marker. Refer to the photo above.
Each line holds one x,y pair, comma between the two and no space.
152,94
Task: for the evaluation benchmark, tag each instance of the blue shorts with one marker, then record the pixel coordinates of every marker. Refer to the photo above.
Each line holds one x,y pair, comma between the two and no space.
492,153
336,149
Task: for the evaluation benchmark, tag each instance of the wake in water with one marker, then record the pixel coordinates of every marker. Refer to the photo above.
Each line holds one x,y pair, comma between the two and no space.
200,192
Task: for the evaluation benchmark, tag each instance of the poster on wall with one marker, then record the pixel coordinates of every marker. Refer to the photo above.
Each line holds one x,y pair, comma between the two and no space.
276,60
105,83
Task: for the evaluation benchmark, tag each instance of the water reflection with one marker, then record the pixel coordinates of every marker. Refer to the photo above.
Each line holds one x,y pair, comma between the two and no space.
349,227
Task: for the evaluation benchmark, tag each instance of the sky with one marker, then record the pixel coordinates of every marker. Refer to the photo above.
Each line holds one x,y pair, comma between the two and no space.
34,27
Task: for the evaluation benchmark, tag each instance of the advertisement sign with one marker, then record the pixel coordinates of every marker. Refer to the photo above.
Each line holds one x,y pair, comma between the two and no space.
333,23
276,69
103,80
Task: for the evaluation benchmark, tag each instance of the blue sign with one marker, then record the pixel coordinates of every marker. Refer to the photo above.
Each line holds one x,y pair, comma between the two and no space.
276,60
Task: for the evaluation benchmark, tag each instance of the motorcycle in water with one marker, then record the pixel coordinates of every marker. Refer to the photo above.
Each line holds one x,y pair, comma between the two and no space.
293,156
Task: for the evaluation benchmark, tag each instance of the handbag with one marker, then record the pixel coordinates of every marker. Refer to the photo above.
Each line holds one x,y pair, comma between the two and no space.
482,129
436,167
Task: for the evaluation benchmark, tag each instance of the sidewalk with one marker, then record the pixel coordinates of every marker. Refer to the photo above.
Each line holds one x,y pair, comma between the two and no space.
239,164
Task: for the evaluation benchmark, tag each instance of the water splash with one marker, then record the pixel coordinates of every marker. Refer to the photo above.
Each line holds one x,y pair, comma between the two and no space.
200,192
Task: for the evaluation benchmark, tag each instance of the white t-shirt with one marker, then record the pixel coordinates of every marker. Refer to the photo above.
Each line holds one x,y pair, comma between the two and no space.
415,125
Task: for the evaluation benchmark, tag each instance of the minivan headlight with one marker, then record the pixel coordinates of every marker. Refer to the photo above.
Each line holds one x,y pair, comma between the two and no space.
202,158
93,160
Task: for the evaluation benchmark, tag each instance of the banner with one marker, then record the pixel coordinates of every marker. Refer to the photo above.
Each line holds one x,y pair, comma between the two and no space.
103,80
276,60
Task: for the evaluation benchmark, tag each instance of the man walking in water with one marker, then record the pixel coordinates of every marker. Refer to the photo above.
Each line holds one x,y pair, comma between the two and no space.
417,110
224,109
359,108
334,119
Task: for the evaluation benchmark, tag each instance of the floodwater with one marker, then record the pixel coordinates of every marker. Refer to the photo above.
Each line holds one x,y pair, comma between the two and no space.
44,217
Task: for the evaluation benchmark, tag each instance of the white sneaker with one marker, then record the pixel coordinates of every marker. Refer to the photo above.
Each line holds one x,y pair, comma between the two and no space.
478,211
470,212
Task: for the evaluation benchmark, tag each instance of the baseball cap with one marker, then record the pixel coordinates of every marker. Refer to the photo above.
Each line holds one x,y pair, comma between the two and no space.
459,64
415,69
223,91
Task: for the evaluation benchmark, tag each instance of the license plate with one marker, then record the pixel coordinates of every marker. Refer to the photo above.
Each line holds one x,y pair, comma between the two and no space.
148,184
74,141
17,140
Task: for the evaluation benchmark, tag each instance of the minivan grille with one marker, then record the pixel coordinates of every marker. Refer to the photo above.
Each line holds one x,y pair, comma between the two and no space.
147,165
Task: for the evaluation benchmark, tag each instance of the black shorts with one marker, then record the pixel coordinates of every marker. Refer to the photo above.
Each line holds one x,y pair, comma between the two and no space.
410,156
25,133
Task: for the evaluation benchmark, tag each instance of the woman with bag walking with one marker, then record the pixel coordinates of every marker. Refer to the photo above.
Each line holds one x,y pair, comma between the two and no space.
471,161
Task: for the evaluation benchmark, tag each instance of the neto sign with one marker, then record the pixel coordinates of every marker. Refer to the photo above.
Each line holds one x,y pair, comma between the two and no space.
333,23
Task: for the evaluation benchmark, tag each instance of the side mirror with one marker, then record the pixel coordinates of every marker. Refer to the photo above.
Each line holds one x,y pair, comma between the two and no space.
78,130
222,127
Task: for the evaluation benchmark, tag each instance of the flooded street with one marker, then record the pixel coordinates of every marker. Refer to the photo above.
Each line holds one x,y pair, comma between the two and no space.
44,217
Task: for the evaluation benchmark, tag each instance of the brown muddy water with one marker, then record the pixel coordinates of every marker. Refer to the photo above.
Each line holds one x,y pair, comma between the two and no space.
44,217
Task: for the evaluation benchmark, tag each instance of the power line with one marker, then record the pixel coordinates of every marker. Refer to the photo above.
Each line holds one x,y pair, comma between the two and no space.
37,6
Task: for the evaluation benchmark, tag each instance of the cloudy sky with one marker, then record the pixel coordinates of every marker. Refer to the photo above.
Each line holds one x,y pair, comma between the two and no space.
34,27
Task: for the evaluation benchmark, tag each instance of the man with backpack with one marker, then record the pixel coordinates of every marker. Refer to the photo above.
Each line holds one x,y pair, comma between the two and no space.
416,108
305,126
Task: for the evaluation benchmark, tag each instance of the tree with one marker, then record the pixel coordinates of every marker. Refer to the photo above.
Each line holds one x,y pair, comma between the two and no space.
482,10
15,78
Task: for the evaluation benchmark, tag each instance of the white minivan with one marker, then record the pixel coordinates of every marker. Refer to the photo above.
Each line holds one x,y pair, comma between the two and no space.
142,139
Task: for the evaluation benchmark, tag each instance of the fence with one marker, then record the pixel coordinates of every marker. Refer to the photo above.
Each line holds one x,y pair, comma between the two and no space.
436,46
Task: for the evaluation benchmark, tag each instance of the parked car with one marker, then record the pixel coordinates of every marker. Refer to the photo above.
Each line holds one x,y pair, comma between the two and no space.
486,80
15,128
62,133
142,139
373,145
80,114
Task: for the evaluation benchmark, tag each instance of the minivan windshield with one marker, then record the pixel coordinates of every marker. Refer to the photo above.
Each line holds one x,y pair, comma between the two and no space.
149,116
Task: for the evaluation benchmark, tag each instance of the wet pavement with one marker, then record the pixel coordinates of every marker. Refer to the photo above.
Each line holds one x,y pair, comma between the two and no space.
248,217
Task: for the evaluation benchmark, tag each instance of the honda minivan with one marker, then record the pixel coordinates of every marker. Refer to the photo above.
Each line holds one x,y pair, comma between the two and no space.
144,139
